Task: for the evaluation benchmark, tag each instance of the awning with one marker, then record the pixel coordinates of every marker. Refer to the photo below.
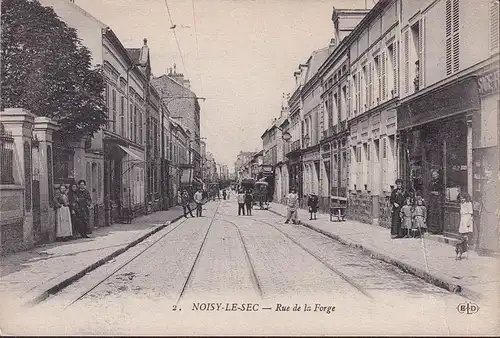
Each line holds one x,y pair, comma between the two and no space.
135,156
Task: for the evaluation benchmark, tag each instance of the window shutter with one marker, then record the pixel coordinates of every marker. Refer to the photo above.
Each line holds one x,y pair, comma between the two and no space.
421,49
384,80
456,35
369,90
494,8
395,68
406,61
452,36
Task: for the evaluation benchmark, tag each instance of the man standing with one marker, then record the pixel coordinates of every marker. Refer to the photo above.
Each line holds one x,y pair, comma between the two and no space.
185,204
241,203
398,197
198,198
82,212
292,205
249,202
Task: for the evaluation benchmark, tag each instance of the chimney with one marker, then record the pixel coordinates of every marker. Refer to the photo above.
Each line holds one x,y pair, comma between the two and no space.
332,45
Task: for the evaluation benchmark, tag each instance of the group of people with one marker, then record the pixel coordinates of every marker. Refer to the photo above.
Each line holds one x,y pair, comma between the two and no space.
72,211
183,199
409,214
245,198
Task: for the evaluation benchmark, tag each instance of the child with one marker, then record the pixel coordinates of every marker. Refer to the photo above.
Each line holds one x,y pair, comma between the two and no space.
420,216
406,217
466,226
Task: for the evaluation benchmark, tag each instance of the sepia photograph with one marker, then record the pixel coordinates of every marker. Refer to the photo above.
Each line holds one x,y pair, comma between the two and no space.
250,168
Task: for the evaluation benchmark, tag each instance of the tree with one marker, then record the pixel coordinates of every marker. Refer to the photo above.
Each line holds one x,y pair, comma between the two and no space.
46,69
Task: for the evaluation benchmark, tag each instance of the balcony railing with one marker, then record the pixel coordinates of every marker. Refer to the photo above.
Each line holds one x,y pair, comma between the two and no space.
295,145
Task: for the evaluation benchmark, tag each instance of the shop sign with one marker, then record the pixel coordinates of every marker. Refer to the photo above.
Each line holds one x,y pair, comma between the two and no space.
488,83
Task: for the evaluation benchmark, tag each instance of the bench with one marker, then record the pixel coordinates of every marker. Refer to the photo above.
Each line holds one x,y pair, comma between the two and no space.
338,207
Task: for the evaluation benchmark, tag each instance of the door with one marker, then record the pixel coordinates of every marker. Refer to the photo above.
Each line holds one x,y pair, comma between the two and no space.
433,182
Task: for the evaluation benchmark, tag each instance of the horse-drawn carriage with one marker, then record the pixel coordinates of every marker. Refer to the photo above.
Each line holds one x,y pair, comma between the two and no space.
260,194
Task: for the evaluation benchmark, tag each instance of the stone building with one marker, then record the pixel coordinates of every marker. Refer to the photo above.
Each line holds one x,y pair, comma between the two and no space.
182,105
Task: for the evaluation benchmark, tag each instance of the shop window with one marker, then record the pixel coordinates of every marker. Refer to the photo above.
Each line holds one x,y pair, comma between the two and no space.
455,161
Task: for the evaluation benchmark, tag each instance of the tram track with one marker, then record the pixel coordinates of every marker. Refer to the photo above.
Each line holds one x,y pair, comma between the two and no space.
129,261
253,274
347,279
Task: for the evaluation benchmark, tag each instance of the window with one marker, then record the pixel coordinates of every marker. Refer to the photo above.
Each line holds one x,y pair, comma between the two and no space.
122,115
140,127
131,122
106,97
384,148
364,88
113,95
416,55
452,36
370,92
494,8
391,60
135,124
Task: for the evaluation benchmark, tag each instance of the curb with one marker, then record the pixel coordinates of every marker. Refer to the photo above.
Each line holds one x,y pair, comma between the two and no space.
70,280
438,281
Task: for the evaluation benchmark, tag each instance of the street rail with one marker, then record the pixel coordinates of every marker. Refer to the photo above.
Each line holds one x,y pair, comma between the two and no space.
197,256
349,280
142,252
255,279
124,264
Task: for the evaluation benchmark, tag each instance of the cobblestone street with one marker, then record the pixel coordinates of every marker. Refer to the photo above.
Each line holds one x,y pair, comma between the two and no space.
163,284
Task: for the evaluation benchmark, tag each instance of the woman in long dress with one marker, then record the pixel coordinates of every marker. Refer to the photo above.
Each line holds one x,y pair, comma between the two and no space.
64,227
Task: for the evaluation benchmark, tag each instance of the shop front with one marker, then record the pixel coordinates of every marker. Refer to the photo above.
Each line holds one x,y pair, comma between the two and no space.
486,162
435,133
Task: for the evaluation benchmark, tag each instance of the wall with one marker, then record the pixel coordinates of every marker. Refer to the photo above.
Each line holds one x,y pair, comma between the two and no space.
88,28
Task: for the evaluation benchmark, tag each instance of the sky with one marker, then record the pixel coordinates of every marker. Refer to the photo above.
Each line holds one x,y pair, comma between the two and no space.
238,54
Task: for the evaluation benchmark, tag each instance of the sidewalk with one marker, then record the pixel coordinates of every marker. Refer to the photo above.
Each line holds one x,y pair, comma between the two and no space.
476,278
30,276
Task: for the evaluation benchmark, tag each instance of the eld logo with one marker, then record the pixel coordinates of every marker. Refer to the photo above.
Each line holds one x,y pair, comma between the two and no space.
468,308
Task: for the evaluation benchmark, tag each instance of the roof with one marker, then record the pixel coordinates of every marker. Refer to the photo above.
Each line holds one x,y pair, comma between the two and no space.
315,61
135,54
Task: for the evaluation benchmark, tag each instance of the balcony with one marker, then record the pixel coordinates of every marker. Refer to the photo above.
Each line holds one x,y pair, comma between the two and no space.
295,145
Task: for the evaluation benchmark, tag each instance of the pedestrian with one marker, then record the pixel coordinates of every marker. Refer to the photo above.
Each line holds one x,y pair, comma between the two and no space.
466,212
185,204
179,197
249,201
84,204
224,194
292,206
241,203
72,197
312,203
64,227
80,206
198,198
397,199
407,217
420,216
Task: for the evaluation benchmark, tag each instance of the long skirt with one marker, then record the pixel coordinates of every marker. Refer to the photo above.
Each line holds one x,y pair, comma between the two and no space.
63,222
396,222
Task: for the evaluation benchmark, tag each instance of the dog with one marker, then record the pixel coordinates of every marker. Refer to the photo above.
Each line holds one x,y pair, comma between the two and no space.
461,248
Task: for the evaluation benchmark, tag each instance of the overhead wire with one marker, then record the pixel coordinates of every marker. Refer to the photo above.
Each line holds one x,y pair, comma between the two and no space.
176,39
197,45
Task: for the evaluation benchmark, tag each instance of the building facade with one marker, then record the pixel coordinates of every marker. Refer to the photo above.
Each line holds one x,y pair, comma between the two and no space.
448,116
